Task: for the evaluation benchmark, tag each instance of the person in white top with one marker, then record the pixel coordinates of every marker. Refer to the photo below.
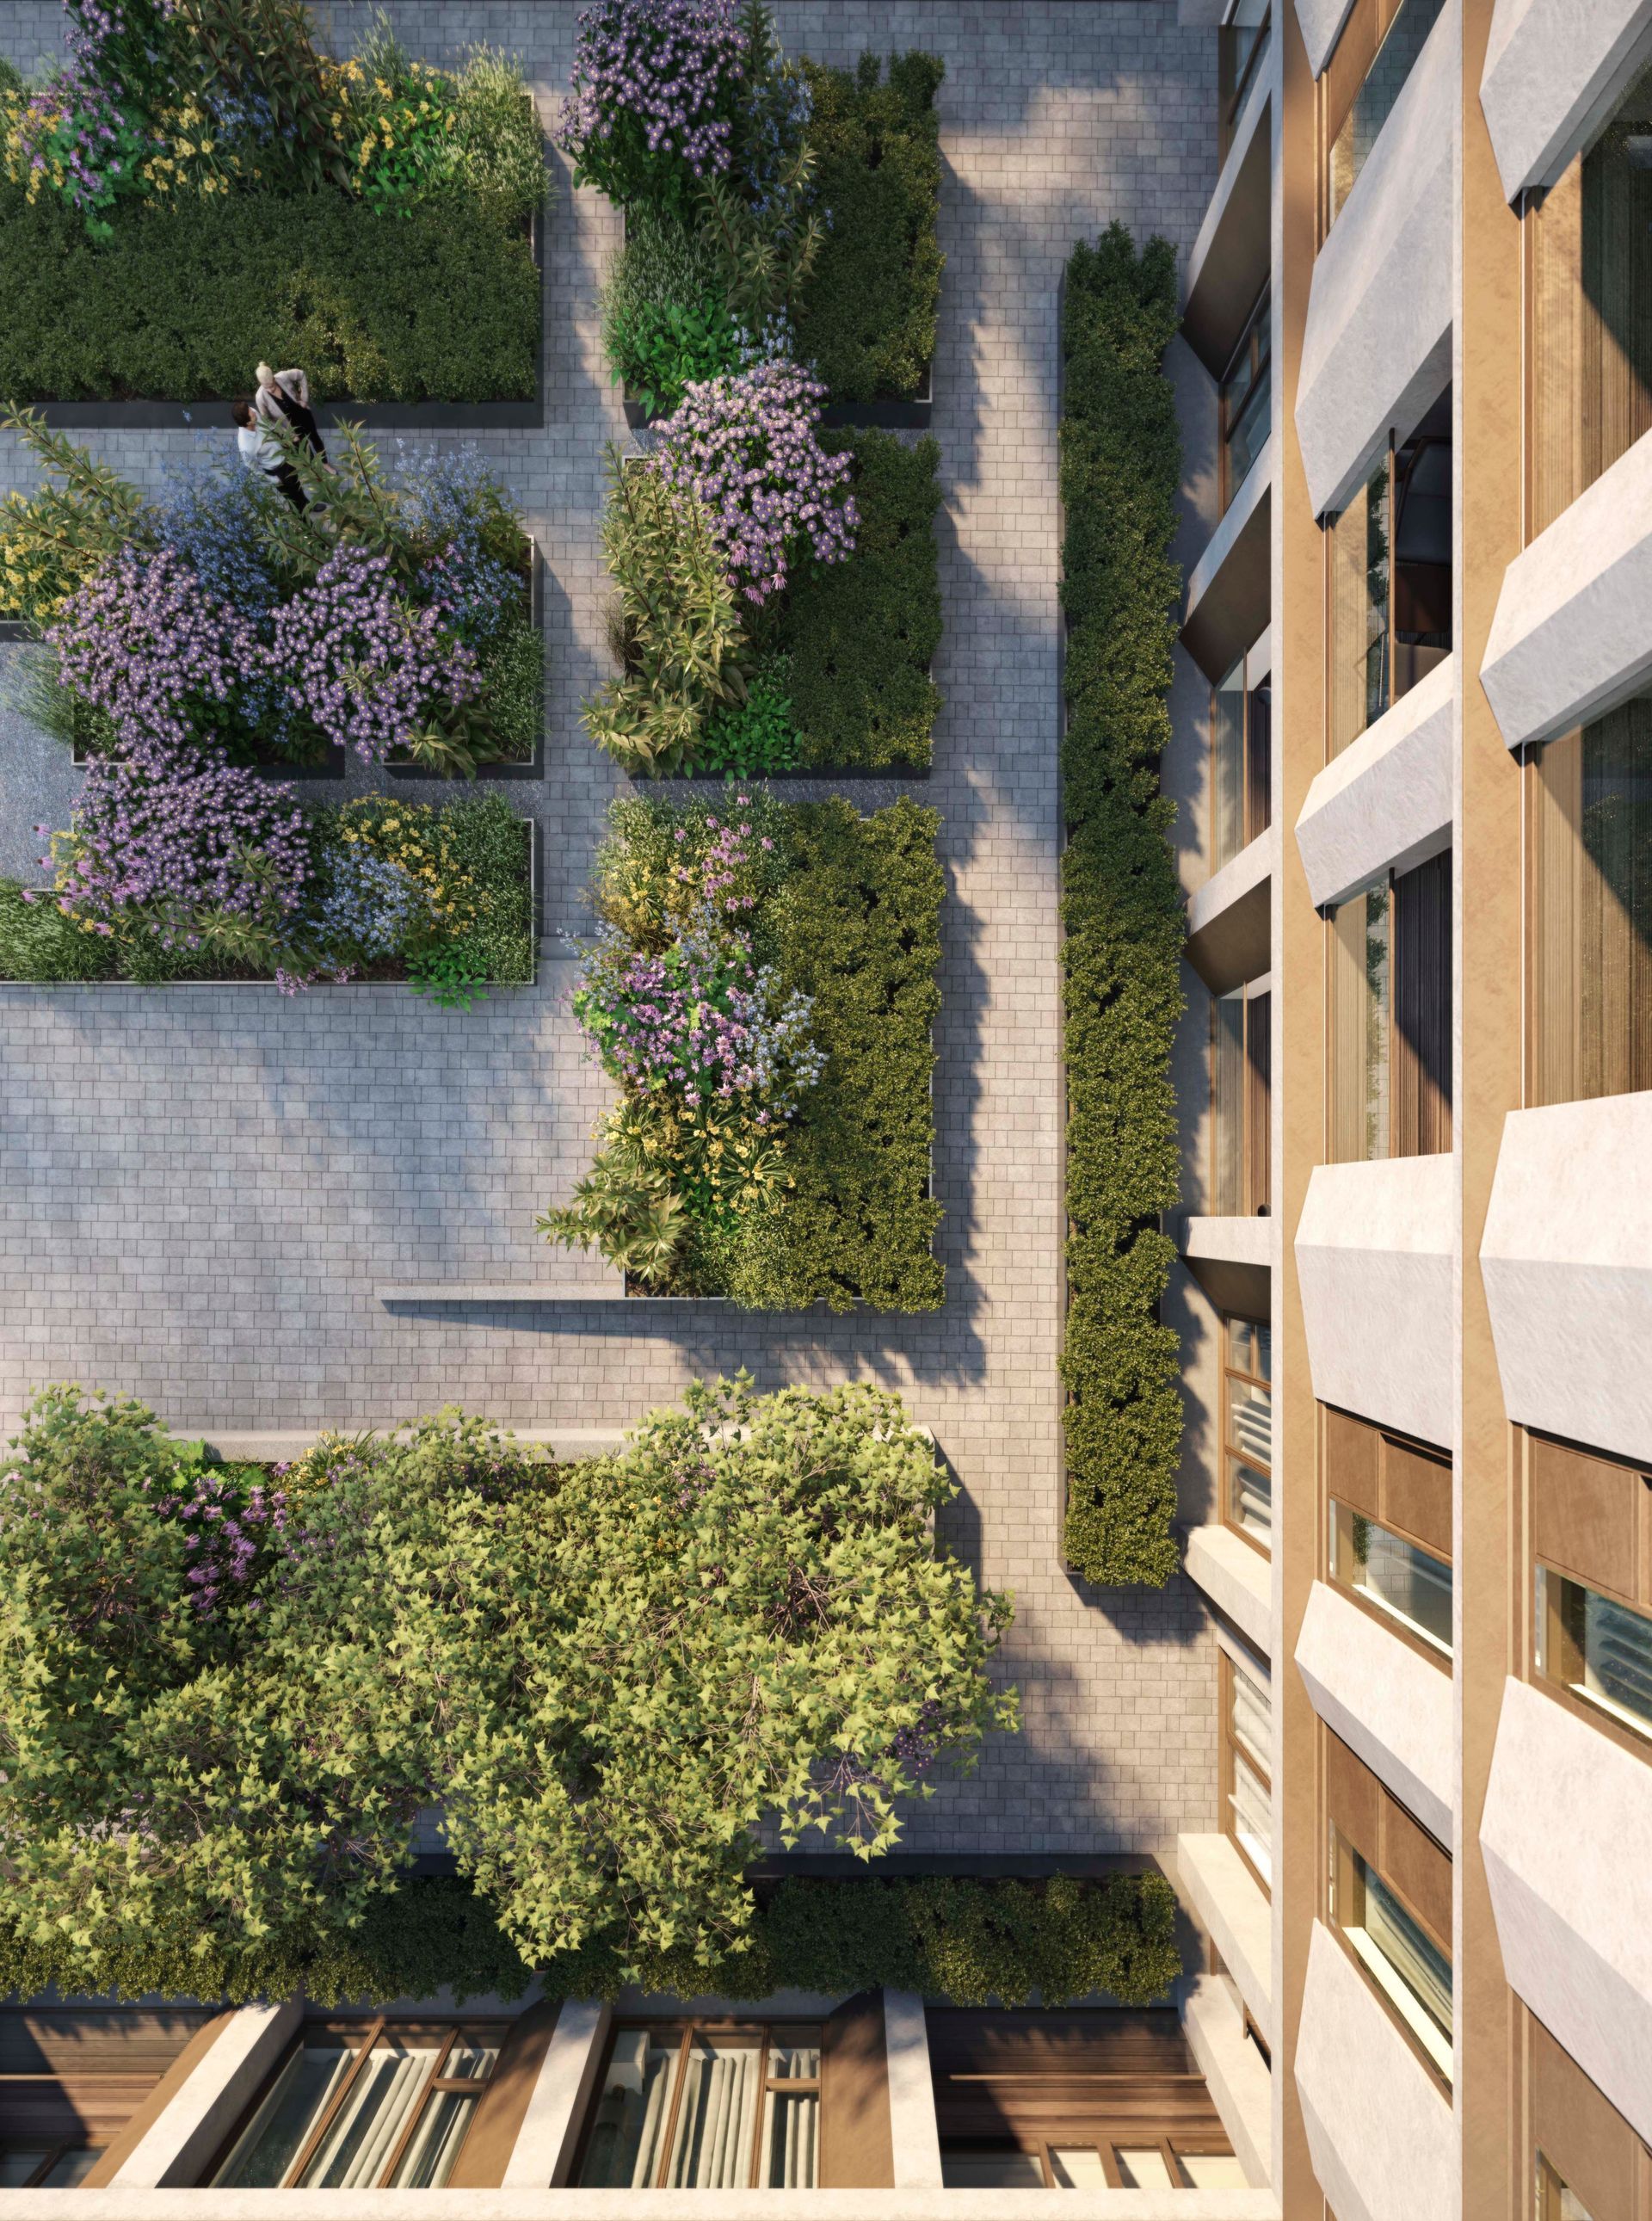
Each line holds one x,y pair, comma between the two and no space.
260,450
283,396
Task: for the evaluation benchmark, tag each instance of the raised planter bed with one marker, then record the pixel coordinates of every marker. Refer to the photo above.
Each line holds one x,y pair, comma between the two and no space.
384,975
389,238
843,912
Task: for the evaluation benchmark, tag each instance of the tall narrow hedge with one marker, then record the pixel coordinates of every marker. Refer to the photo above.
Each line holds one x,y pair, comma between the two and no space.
1120,467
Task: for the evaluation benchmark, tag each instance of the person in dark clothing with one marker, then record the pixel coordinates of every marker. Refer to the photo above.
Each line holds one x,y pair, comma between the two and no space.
260,450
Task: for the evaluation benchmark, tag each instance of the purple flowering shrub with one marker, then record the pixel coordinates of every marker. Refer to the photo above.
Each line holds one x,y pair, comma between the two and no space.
145,643
748,448
656,84
362,666
167,844
86,131
231,1515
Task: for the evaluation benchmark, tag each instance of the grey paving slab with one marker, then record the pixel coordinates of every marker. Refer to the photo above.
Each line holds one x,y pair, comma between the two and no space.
200,1188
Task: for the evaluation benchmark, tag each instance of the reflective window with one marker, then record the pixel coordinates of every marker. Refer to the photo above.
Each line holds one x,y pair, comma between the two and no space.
363,2106
1401,1579
1247,1767
1245,400
1247,1428
1355,132
1404,1961
1598,1649
698,2106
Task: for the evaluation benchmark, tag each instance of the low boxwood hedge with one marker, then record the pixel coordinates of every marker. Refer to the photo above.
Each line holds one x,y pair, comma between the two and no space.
1120,469
861,634
955,1938
866,317
440,304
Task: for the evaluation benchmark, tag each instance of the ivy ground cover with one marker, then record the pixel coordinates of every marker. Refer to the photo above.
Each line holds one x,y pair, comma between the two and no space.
761,992
198,184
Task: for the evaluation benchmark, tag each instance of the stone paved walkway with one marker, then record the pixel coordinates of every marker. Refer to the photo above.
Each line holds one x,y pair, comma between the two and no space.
199,1186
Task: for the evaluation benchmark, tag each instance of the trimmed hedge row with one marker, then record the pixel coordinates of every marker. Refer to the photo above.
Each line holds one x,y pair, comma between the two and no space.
442,303
861,634
1120,468
966,1941
857,927
866,317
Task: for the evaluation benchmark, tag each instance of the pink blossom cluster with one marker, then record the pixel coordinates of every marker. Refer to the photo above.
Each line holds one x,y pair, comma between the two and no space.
748,447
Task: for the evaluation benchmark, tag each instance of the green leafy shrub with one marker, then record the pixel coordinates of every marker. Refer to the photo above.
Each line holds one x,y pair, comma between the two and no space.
678,634
563,1658
866,314
857,927
513,676
38,942
501,146
1120,467
444,305
746,739
861,634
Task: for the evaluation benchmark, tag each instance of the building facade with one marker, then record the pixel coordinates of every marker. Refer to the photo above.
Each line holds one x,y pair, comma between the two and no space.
1415,1267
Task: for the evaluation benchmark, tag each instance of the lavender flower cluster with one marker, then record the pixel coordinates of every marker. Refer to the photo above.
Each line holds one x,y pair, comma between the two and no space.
82,127
228,1525
747,446
652,78
173,832
701,1021
363,665
144,642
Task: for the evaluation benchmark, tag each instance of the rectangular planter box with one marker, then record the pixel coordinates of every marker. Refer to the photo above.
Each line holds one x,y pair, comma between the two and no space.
371,415
536,899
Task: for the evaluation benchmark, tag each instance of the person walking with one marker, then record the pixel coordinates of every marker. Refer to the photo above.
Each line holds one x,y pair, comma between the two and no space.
283,395
260,450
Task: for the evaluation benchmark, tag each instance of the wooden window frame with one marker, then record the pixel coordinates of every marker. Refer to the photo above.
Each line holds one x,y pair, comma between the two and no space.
686,2030
1571,2128
1557,1555
1230,1451
1368,1836
1342,1487
1255,343
1338,85
368,2032
1407,1079
1227,1746
1172,2149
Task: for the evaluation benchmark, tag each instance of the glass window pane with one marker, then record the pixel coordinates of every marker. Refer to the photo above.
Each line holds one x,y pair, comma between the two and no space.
623,2152
1409,1970
356,2148
791,2139
1592,853
1228,1107
717,2117
1228,766
962,2168
429,2160
1599,1650
1359,611
1212,2171
1555,2202
18,2163
1250,1502
1374,102
1591,337
1143,2169
301,2093
1247,430
1078,2167
1394,1574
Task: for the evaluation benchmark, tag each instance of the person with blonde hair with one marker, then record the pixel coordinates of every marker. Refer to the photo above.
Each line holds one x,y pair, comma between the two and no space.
283,396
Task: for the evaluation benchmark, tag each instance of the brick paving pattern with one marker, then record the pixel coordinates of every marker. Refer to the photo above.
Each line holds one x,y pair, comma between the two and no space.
199,1186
